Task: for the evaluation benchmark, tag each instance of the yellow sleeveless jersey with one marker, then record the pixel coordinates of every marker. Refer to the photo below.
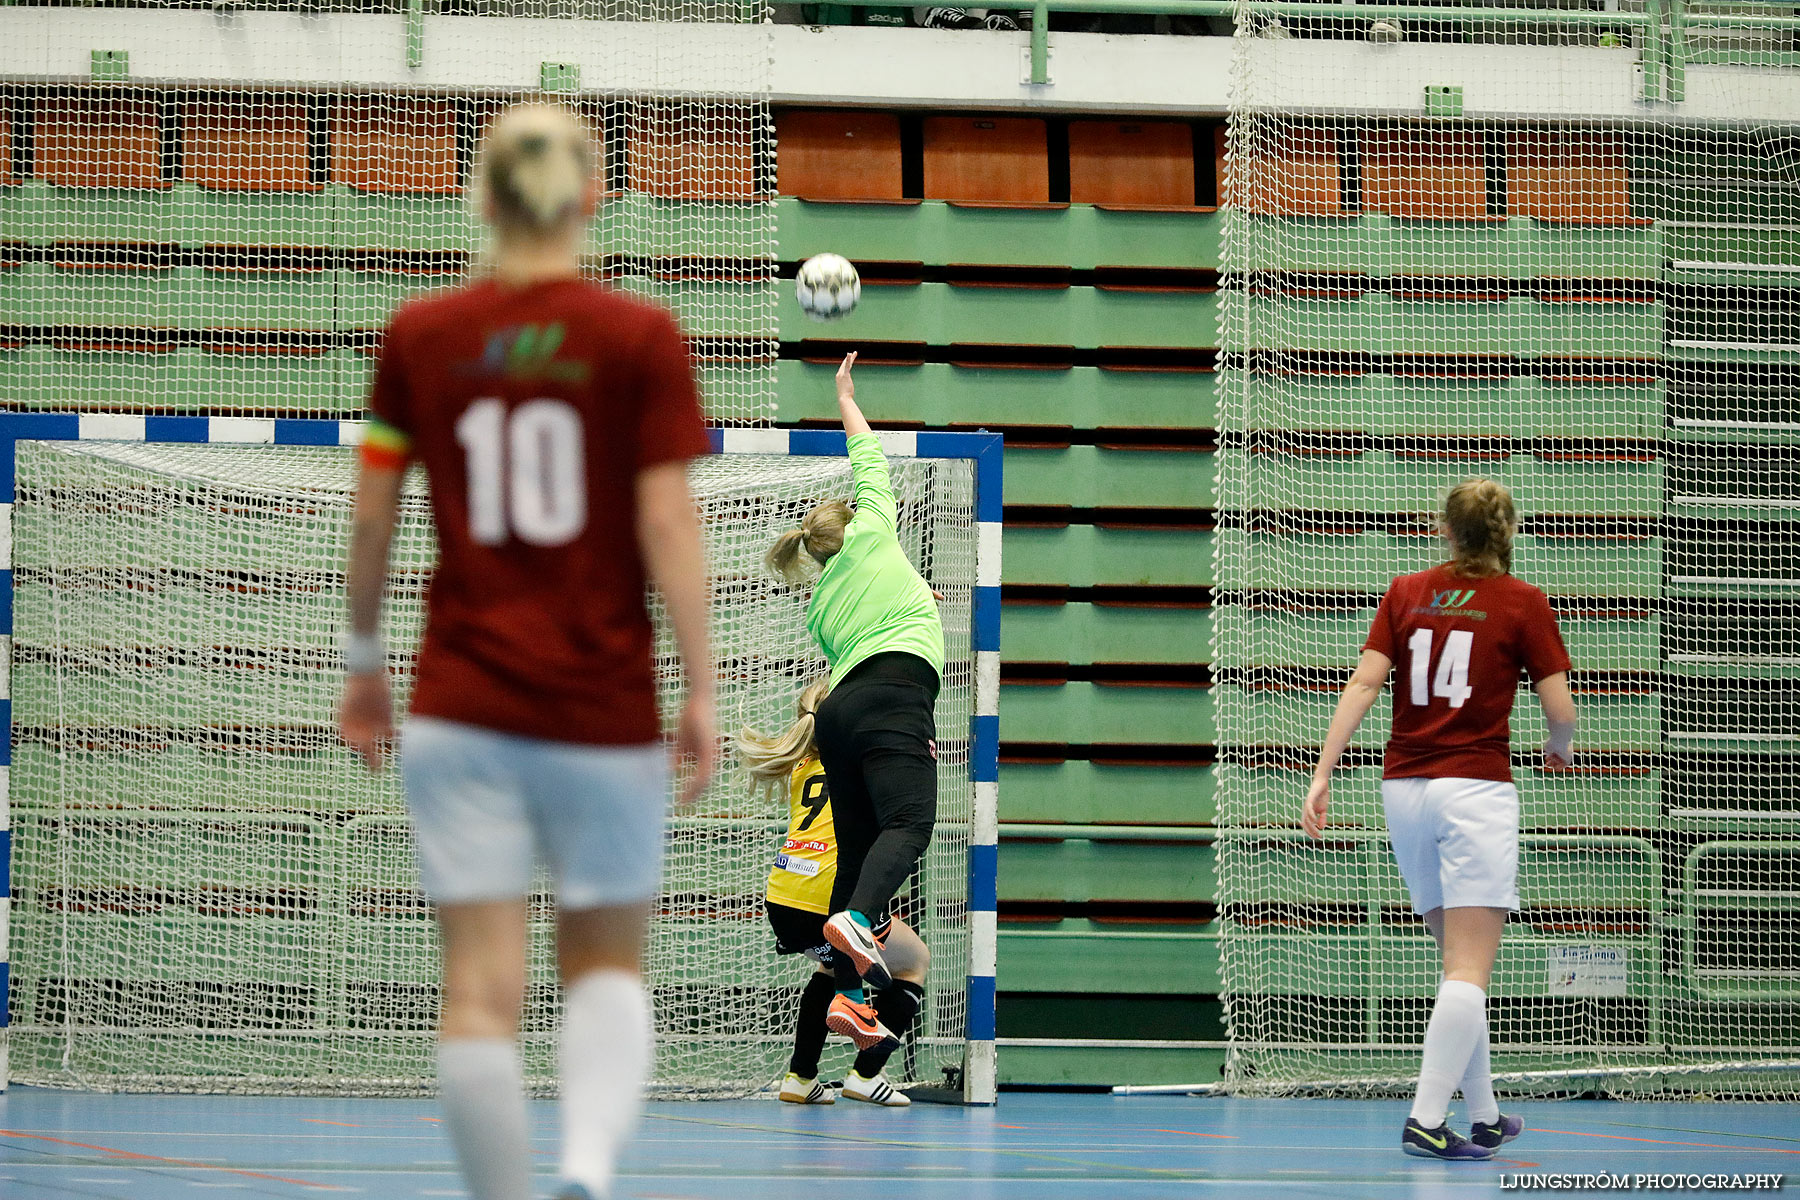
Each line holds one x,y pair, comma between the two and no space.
807,863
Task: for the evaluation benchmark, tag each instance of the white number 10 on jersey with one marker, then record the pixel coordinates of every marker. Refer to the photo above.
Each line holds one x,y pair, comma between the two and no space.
1452,682
527,474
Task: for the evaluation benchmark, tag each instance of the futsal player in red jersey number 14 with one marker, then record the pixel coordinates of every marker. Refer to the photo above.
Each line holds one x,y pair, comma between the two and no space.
555,420
1456,637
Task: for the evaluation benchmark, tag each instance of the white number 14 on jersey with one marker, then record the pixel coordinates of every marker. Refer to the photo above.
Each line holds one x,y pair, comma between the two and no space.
1452,681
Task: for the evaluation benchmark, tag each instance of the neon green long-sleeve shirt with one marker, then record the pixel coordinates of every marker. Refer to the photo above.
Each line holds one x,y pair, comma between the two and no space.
869,600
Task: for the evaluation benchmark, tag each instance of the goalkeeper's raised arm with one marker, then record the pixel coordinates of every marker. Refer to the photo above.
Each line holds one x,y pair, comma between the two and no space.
874,491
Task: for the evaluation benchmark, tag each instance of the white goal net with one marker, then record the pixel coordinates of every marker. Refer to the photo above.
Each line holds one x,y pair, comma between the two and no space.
1560,250
211,894
215,208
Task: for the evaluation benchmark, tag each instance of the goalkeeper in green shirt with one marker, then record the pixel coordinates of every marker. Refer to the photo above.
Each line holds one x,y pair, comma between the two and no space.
877,621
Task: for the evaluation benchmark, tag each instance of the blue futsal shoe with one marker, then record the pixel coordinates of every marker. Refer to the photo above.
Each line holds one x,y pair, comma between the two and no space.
574,1191
1441,1142
1497,1134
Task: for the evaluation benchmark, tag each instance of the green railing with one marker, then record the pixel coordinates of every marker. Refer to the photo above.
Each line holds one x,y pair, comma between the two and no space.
1779,906
1544,865
1663,24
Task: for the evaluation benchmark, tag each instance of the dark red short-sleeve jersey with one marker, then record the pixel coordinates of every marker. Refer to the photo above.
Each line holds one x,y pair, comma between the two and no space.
533,410
1458,646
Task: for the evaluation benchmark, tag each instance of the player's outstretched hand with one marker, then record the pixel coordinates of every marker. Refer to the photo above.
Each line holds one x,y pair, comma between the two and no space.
366,717
846,386
696,748
1315,807
1558,758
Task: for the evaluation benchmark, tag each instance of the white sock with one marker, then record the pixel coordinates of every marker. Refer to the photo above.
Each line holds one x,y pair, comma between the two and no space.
483,1098
1478,1081
1457,1020
608,1040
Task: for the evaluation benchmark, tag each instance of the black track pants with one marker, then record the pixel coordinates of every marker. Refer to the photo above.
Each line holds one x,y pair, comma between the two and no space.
877,739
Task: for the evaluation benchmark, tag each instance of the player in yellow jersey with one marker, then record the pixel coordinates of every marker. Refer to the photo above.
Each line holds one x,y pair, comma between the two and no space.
798,902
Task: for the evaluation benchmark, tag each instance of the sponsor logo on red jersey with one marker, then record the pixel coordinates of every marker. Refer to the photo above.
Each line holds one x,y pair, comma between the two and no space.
1451,602
529,352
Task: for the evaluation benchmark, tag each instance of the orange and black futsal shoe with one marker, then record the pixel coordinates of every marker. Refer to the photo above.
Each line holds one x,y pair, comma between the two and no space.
858,1022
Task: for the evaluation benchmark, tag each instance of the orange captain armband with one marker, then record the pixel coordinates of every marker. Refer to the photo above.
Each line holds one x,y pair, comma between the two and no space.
384,446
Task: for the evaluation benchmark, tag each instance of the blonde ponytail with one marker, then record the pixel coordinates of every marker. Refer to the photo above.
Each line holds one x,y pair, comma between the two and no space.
783,558
534,168
821,535
772,760
1480,520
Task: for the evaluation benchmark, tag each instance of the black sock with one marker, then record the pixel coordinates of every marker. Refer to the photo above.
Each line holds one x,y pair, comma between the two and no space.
898,1007
848,978
809,1026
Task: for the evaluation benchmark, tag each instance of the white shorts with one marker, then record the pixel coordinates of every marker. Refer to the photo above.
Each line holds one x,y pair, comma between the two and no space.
485,804
1456,840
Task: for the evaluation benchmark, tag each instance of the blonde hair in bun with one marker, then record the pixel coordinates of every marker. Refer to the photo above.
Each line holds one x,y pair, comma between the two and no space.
534,167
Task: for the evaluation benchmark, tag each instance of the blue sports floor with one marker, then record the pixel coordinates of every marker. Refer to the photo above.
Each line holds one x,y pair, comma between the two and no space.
1031,1147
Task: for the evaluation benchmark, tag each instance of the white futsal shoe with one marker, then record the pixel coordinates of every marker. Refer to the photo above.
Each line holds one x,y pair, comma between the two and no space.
795,1090
875,1091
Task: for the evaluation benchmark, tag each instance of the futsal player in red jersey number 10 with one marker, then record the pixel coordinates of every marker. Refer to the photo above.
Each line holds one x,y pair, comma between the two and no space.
1456,638
555,419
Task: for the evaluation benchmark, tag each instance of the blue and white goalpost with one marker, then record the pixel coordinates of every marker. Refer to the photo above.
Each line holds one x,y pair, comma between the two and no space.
212,897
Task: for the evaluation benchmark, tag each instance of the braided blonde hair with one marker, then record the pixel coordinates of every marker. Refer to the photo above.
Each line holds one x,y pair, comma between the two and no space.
1481,522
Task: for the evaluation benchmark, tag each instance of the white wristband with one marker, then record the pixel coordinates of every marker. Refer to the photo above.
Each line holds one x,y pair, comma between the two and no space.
364,653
